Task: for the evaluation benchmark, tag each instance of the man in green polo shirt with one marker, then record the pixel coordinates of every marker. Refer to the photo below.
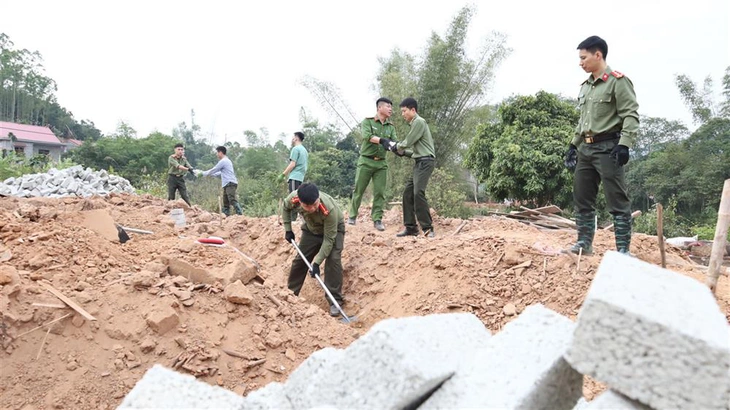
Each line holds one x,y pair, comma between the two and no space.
323,237
372,164
298,162
177,166
609,122
418,144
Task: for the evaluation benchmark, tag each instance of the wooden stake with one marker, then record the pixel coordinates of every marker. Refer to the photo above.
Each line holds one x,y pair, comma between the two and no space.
718,244
577,265
463,224
660,232
544,266
44,325
67,301
43,343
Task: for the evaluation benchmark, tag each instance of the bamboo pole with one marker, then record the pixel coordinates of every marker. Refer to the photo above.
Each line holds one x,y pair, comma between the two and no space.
718,244
660,233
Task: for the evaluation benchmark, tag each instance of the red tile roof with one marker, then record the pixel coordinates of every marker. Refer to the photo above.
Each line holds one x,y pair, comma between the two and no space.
28,133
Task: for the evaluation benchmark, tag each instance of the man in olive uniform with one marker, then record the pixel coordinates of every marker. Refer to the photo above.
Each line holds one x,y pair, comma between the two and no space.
372,164
323,237
418,144
177,166
608,125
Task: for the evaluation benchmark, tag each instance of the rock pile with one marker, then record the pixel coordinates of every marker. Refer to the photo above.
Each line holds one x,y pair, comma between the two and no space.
74,181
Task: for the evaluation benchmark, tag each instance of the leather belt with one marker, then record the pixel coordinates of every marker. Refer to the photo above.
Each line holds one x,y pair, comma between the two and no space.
601,137
373,157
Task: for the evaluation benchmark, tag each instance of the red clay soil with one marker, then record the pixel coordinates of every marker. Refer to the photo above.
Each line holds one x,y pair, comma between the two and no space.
162,298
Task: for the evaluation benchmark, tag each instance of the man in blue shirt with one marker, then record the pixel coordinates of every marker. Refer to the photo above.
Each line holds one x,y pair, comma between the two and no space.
224,170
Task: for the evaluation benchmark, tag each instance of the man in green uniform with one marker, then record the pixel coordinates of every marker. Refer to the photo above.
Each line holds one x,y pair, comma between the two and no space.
372,164
323,237
418,144
177,166
607,129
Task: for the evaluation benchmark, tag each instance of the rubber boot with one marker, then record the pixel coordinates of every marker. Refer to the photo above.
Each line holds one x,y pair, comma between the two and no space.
622,230
226,211
586,224
239,211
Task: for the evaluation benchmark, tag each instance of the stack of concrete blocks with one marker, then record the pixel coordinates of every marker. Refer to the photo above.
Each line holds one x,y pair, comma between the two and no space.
653,336
73,181
656,338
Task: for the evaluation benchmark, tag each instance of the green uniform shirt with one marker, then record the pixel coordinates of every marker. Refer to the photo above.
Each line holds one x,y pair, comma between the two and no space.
323,222
608,104
372,127
173,164
300,157
418,139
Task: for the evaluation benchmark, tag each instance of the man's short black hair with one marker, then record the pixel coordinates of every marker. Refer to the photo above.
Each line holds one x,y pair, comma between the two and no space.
221,149
593,44
409,103
299,135
179,145
382,100
308,193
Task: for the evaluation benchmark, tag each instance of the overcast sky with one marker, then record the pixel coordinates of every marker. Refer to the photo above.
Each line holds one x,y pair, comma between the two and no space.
238,64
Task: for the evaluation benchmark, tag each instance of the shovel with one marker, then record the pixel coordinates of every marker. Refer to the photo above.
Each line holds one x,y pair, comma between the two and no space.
345,318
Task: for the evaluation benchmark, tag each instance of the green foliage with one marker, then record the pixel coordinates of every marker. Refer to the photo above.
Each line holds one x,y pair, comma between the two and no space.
333,171
446,195
673,223
521,155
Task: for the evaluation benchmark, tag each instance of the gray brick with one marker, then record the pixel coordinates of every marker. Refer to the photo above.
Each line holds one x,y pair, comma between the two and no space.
522,367
300,388
653,335
162,388
271,396
393,364
610,400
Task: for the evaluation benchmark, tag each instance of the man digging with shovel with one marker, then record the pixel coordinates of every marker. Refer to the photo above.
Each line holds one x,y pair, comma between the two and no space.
323,237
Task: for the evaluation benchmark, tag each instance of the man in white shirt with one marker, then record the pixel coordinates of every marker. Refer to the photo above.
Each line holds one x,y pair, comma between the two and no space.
224,170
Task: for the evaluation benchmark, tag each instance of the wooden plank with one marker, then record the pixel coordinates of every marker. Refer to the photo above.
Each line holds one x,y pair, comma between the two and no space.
50,305
75,306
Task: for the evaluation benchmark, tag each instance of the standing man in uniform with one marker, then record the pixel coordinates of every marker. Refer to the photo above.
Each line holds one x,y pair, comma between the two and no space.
323,237
372,164
297,168
177,166
419,140
224,170
608,125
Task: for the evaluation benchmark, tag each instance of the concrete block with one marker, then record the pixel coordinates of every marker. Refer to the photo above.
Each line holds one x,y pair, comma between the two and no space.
653,335
272,396
299,387
610,400
396,363
522,367
162,388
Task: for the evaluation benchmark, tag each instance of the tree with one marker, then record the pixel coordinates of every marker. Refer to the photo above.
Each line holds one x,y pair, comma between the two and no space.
318,138
520,156
656,133
701,103
333,171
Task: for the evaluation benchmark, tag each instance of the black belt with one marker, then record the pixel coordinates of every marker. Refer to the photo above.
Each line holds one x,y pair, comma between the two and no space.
373,157
601,137
425,158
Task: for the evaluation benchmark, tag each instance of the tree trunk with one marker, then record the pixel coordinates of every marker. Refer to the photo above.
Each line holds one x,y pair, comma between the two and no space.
718,245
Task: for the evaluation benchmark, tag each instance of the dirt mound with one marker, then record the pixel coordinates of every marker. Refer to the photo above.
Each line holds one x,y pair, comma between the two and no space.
162,298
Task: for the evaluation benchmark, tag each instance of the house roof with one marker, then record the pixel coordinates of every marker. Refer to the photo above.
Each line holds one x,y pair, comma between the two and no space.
75,142
29,133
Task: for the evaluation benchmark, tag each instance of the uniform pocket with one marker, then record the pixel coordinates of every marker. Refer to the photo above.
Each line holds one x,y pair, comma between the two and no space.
603,104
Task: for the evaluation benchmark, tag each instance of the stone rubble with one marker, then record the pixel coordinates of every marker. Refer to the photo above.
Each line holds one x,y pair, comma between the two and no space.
74,181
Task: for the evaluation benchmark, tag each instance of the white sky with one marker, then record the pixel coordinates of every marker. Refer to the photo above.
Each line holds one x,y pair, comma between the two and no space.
238,64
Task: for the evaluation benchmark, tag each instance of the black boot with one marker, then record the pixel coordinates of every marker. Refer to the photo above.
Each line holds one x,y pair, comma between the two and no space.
586,224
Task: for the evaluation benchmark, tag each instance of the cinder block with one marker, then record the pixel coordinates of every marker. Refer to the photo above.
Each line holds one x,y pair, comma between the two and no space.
393,365
300,387
653,335
162,388
522,367
610,400
271,396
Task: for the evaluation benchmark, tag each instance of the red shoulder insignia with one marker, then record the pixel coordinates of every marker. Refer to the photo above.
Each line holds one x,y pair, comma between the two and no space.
617,74
605,77
323,209
295,200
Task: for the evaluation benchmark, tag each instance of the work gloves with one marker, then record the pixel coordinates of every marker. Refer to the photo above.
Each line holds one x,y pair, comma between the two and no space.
289,236
571,157
280,178
198,173
191,170
315,270
620,155
388,144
